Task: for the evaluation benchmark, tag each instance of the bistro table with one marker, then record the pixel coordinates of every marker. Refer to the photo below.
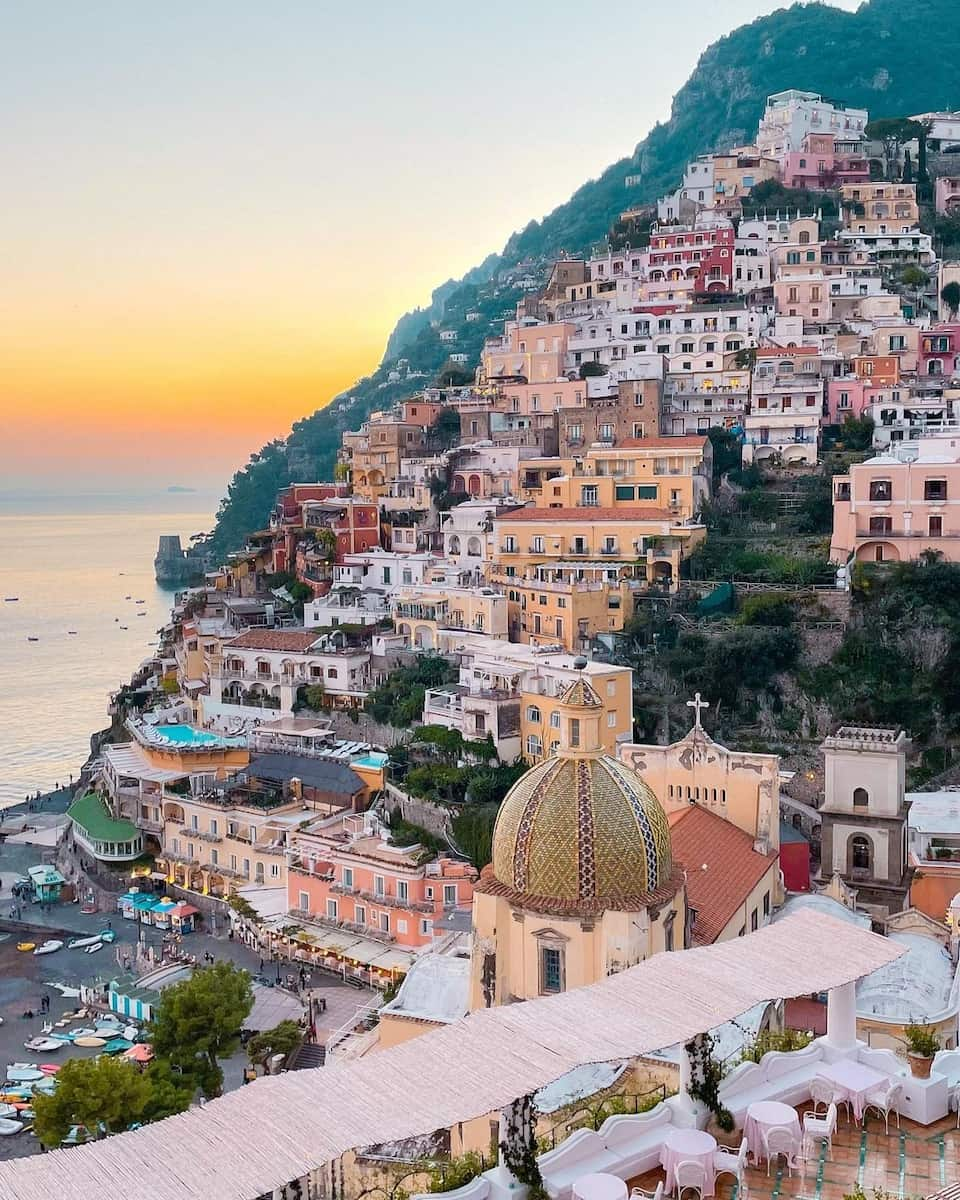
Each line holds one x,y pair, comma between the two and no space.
599,1186
852,1082
689,1145
764,1115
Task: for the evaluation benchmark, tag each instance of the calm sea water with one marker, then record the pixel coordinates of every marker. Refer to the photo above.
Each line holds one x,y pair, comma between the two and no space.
73,563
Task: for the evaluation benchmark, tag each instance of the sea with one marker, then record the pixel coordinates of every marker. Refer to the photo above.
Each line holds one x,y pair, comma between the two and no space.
81,569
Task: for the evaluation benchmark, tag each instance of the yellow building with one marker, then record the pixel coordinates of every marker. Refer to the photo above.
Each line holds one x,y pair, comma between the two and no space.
877,207
582,882
652,541
542,708
420,612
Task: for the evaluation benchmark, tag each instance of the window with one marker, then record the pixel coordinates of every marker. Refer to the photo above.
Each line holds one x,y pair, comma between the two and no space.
386,574
332,909
589,496
426,927
303,903
274,870
401,926
360,914
647,491
551,970
611,720
348,877
881,489
754,921
860,797
194,821
606,434
536,545
574,731
935,489
554,720
214,826
403,890
881,525
534,746
449,895
935,528
860,853
384,922
214,857
379,887
407,575
766,904
624,493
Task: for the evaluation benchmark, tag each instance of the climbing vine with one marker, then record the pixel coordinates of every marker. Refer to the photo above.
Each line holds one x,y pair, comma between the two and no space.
519,1146
706,1074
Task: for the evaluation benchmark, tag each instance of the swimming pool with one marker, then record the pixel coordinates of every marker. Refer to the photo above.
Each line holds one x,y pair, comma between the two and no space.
186,735
372,759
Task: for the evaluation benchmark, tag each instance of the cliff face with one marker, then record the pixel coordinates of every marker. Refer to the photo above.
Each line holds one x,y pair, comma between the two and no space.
889,57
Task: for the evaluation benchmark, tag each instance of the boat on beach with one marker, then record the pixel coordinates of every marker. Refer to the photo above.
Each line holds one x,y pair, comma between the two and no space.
94,948
23,1073
8,1126
105,935
36,1044
50,946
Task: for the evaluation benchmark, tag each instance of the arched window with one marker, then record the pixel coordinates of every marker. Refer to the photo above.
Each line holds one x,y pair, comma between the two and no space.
860,798
860,853
533,714
804,237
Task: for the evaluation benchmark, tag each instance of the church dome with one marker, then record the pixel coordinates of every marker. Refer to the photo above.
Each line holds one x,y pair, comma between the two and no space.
582,828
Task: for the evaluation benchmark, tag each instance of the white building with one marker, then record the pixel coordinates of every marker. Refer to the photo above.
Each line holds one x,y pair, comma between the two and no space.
696,191
384,570
789,116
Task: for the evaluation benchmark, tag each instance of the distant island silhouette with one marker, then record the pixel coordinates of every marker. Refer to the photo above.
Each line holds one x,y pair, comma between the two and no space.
175,487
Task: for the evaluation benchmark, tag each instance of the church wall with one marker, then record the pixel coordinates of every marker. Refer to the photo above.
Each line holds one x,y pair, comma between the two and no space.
741,788
769,885
840,833
881,775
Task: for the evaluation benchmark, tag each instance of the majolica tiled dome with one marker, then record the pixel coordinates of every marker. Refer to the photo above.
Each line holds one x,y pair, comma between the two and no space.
582,829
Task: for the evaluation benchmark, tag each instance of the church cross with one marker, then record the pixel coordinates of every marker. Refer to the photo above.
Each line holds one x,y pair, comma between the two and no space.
697,704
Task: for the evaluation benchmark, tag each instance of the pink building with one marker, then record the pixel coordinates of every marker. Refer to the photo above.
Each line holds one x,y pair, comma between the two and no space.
894,506
345,874
940,351
947,195
823,162
846,396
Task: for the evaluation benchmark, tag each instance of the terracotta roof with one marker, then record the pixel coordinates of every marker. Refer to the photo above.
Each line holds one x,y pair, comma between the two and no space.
734,868
688,440
273,639
588,514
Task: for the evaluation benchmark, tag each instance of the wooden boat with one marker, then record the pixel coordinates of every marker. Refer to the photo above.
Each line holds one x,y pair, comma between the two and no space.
8,1127
50,946
26,947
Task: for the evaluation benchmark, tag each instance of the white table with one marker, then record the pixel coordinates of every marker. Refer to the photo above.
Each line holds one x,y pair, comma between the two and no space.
600,1186
764,1115
689,1145
852,1082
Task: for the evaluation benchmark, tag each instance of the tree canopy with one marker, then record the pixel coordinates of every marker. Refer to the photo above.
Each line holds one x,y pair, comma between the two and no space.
198,1022
105,1095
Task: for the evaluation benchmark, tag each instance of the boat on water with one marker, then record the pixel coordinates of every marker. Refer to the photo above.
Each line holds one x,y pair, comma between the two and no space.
33,639
8,1126
11,599
50,946
47,1044
72,632
124,626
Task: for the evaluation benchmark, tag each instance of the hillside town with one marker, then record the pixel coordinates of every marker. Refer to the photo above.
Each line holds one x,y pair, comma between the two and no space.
405,747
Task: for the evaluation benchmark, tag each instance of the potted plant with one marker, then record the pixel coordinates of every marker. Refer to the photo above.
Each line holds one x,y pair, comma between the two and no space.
922,1045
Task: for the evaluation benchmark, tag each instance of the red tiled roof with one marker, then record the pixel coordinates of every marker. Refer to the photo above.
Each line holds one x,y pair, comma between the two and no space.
688,440
274,639
587,513
699,837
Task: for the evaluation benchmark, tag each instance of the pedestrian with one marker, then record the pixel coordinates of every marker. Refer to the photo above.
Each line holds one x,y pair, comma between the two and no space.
261,966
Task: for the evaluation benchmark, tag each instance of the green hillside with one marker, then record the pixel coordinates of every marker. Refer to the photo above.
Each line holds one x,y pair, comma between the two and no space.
888,57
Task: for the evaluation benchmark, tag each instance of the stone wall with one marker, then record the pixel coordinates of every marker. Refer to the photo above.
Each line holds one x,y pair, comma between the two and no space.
433,817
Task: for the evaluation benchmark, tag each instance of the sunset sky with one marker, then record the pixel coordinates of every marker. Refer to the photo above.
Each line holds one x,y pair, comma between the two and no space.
215,210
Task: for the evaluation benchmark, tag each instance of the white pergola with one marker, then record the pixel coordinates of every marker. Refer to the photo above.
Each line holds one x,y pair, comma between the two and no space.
253,1141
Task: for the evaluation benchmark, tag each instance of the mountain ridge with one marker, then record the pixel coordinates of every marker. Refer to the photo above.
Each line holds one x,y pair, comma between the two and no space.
873,57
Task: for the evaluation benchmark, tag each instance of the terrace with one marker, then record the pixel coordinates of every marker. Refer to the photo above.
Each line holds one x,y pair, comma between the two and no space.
292,1129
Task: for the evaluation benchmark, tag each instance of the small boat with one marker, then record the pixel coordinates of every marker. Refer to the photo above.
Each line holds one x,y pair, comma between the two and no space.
72,1034
26,947
141,601
8,1127
126,597
131,1033
124,626
8,1110
91,1042
33,639
72,632
117,1045
37,1044
11,599
23,1073
141,614
94,948
50,946
50,1068
77,943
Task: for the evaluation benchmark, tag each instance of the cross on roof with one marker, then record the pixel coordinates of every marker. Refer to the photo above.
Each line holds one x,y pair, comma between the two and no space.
697,704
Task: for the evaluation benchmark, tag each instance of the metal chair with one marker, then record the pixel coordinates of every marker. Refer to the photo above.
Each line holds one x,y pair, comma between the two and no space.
777,1141
819,1129
690,1175
639,1194
725,1162
823,1094
885,1101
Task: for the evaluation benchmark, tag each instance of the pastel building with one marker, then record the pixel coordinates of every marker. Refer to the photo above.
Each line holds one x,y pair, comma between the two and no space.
946,191
791,116
419,613
345,873
896,505
940,350
534,353
879,207
824,161
786,406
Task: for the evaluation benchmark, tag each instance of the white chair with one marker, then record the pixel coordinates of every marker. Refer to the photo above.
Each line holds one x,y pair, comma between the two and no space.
884,1101
725,1162
640,1194
777,1141
823,1095
690,1176
819,1129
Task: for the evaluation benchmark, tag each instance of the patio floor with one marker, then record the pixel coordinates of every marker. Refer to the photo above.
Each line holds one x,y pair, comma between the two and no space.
911,1163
